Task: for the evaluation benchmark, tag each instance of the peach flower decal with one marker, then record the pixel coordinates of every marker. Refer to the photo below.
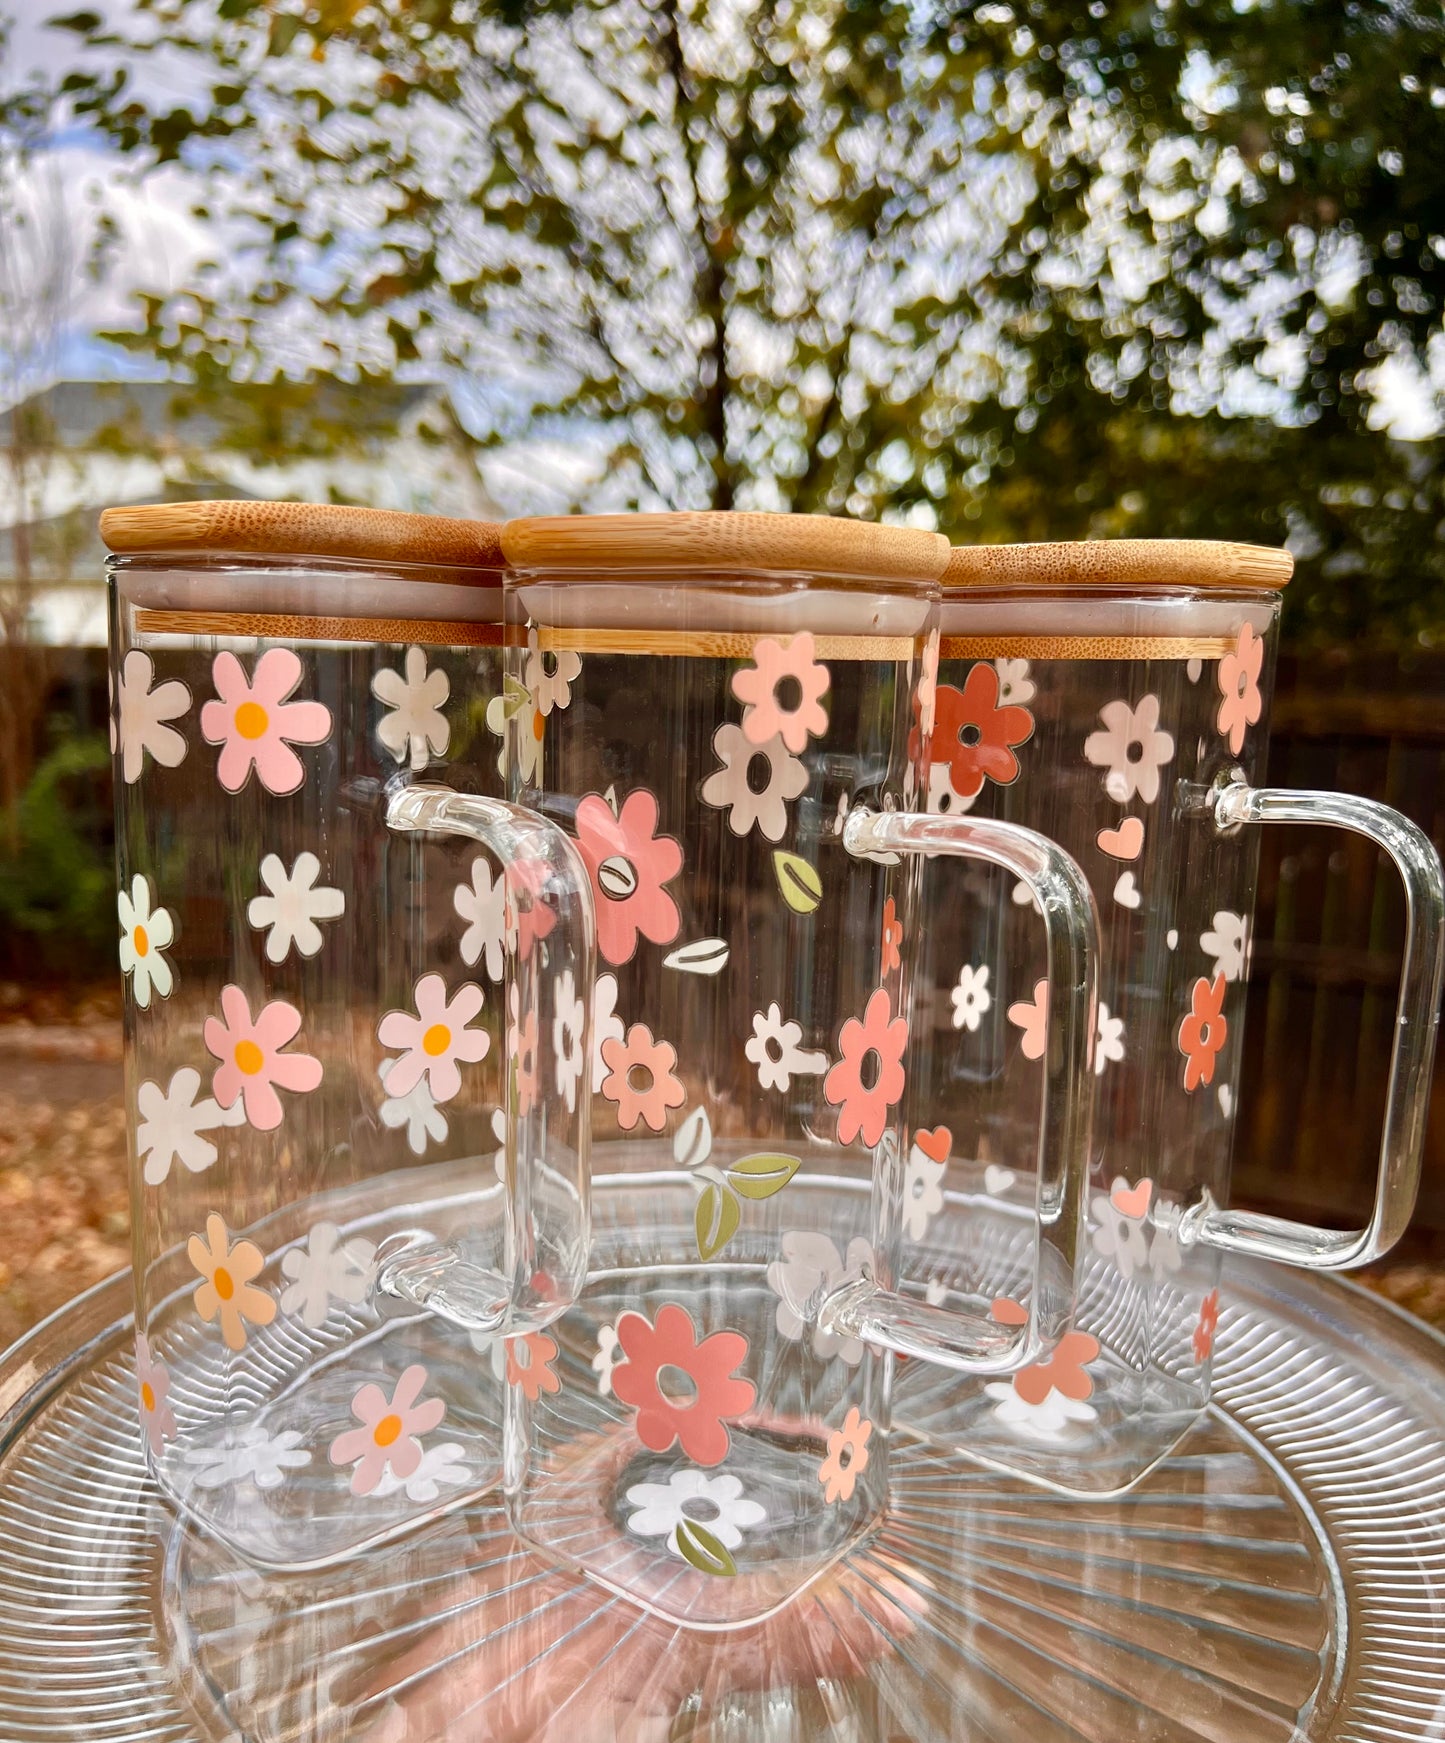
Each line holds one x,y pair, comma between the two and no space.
884,1036
1063,1371
227,1289
153,1385
628,862
847,1458
252,1063
434,1039
1033,1019
892,937
640,1053
1238,676
698,1420
531,917
794,717
974,735
255,724
387,1439
529,1364
1204,1031
1208,1324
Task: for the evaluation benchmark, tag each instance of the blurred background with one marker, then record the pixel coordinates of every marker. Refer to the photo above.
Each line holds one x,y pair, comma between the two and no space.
1014,271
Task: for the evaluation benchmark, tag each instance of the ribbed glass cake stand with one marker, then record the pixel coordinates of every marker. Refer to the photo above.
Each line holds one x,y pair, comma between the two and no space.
1280,1576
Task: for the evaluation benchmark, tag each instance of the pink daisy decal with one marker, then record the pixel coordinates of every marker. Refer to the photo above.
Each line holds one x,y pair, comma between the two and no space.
434,1039
256,726
153,1383
884,1036
1238,679
783,691
649,1097
529,1364
713,1396
252,1063
387,1438
628,862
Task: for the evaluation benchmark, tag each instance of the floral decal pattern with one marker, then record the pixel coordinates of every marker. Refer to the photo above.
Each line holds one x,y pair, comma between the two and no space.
863,1109
252,1060
708,1394
226,1289
847,1458
389,1439
255,725
629,863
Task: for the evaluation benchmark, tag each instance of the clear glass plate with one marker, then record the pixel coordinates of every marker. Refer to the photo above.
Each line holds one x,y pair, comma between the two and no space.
1281,1575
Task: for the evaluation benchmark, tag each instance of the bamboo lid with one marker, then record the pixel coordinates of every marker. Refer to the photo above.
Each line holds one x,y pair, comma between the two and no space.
1125,565
811,544
302,529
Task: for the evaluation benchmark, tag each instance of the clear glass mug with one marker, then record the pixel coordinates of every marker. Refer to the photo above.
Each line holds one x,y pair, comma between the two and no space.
725,706
326,909
1114,696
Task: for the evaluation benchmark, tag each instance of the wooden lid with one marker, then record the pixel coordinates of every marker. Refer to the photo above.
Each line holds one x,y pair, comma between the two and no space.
1123,564
812,544
302,529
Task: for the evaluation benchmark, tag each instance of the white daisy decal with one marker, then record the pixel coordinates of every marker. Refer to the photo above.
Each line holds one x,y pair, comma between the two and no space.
567,1026
754,783
549,674
774,1049
1109,1044
327,1269
441,1467
248,1452
971,998
483,905
417,1110
171,1122
144,933
606,1026
1228,943
141,717
692,1497
1130,749
414,725
1045,1421
289,914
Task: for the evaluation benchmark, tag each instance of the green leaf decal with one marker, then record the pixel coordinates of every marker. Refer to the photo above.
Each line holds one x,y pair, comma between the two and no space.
697,1545
716,1220
801,886
762,1175
515,697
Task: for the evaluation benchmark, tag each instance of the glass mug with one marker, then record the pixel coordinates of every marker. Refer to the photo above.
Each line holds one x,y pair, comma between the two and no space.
316,936
1114,697
725,706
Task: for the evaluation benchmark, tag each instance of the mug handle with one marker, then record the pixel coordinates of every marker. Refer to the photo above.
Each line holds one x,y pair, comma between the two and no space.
1230,804
870,1307
548,1227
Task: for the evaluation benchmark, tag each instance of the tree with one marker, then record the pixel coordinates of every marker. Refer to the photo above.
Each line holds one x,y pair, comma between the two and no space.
1020,269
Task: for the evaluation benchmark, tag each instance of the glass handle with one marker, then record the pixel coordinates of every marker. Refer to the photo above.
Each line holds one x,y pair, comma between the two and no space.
1233,803
870,1307
551,936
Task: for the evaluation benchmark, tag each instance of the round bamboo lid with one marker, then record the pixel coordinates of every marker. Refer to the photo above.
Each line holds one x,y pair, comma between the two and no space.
1125,565
302,529
810,544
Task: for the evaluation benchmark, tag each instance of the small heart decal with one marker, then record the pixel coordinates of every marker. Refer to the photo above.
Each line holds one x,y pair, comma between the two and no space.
997,1180
1125,842
1226,1100
1126,891
1171,937
935,1144
1132,1201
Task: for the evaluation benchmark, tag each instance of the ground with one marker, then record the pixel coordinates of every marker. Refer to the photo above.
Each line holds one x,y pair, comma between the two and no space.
64,1198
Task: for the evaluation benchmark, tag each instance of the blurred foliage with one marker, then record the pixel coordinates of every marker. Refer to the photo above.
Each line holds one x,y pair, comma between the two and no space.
57,867
1023,270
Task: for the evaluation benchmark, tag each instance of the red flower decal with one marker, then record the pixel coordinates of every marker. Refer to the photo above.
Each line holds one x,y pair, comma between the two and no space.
1064,1369
1208,1325
973,735
865,1107
695,1411
1204,1031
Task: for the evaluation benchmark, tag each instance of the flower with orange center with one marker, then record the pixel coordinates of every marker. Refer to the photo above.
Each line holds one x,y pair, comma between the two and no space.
847,1458
435,1038
227,1289
144,933
1204,1031
153,1384
388,1436
256,726
252,1063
